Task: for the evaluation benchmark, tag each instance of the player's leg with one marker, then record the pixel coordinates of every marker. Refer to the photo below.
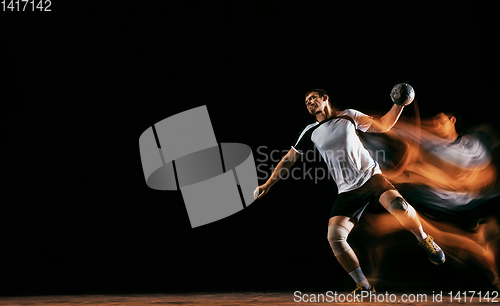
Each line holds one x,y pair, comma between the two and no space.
339,228
407,216
403,211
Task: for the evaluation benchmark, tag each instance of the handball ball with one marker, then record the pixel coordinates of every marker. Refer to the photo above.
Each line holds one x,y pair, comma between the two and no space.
402,94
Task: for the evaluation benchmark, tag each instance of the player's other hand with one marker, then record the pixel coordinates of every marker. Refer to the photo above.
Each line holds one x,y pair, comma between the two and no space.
261,191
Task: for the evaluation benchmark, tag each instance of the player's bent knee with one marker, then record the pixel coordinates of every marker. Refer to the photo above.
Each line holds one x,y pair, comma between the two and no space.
337,237
399,206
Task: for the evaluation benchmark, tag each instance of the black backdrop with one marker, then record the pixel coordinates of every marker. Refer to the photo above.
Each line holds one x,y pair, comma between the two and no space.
81,83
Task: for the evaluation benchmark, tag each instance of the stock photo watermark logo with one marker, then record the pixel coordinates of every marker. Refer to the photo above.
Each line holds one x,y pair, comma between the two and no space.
267,160
182,153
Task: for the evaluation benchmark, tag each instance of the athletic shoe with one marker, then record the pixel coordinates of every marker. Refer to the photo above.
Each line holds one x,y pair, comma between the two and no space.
360,288
434,252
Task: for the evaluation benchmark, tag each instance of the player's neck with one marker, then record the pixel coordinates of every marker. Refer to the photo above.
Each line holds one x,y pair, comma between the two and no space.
327,113
452,137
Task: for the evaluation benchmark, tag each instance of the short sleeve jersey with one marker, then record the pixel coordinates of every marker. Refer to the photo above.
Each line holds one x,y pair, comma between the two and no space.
348,161
467,152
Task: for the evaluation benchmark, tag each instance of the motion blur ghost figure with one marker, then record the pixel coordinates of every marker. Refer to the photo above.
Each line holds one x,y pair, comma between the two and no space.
451,179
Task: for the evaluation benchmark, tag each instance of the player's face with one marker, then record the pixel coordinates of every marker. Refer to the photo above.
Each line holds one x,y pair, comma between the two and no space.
443,125
315,103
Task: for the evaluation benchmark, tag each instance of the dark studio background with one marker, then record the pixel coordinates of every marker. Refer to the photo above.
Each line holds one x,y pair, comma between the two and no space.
81,83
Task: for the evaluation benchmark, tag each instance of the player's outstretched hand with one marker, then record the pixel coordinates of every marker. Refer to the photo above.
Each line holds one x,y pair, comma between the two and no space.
261,191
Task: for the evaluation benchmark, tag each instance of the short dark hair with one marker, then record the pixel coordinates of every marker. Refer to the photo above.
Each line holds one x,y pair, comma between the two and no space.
321,92
459,123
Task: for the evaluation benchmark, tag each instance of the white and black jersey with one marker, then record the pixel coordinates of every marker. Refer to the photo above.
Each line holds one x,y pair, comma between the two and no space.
348,162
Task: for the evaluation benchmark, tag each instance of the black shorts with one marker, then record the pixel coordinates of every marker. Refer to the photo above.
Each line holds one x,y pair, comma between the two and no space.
353,203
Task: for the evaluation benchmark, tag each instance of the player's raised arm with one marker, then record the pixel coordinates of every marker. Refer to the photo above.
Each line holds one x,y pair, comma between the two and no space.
402,94
387,121
283,166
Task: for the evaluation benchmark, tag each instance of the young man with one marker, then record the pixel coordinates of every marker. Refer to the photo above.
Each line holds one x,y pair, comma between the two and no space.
358,177
443,125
